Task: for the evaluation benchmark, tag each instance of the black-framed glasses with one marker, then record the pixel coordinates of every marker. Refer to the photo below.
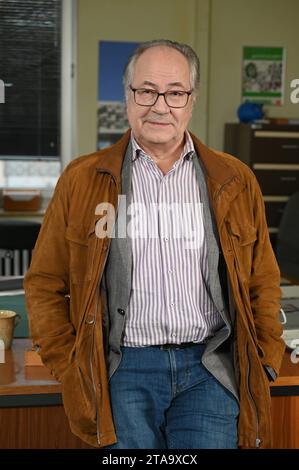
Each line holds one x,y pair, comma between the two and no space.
149,97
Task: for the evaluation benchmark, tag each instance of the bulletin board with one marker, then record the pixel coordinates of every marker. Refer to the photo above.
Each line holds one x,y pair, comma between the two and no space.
111,111
263,75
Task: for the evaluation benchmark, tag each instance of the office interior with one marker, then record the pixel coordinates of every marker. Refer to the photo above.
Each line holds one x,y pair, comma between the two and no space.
217,30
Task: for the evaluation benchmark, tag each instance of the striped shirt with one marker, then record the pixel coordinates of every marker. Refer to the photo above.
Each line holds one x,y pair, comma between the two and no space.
169,300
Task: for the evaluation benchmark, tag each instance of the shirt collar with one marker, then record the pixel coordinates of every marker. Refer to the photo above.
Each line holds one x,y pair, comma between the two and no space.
187,154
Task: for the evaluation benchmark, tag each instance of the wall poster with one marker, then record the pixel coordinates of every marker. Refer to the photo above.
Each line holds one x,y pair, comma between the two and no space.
263,75
112,119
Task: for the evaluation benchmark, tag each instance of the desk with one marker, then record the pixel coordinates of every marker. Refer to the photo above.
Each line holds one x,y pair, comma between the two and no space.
285,405
32,415
35,216
31,410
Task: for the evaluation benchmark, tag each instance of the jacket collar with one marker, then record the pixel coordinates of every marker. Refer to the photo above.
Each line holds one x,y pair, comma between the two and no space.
111,158
216,168
222,178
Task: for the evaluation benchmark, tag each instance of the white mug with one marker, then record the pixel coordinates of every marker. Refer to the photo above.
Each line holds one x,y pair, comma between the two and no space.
284,321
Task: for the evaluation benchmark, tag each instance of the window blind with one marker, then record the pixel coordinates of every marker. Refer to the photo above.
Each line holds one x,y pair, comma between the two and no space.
30,45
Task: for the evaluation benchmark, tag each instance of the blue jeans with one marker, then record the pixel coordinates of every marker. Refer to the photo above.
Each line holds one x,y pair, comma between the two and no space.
166,399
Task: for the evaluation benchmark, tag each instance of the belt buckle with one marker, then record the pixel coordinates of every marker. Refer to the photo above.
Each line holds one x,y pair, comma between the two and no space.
166,346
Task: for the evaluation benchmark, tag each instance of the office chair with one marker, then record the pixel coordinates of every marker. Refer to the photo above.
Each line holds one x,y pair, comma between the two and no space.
17,240
287,246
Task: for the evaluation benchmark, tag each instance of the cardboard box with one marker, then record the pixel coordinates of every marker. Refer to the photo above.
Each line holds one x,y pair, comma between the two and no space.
21,200
38,373
34,368
32,358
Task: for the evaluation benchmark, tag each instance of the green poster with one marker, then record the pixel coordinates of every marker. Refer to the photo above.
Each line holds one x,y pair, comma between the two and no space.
263,75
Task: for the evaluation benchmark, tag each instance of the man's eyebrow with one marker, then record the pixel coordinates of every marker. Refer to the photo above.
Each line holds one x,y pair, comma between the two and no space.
154,85
175,84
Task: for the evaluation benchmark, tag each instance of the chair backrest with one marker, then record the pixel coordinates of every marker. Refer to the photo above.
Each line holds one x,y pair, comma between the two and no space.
17,240
287,246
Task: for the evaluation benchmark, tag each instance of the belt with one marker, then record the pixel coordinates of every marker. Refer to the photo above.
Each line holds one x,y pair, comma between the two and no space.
177,346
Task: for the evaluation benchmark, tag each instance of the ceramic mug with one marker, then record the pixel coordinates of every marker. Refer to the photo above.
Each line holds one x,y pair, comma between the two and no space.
8,321
284,320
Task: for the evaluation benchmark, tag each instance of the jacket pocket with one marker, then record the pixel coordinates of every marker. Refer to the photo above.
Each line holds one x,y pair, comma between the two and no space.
245,233
78,398
243,237
81,250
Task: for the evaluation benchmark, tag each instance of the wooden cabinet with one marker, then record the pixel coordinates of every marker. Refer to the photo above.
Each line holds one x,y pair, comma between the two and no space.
272,152
285,404
31,411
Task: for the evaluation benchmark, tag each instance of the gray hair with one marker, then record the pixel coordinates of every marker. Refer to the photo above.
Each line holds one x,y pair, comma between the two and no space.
184,49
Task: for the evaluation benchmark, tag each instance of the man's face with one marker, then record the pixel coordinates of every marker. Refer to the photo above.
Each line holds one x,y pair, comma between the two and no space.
161,69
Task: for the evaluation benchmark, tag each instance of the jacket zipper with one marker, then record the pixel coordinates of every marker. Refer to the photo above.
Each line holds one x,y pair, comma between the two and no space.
91,352
257,439
93,329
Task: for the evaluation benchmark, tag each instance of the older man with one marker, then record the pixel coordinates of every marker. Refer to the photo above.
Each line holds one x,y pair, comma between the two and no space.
153,294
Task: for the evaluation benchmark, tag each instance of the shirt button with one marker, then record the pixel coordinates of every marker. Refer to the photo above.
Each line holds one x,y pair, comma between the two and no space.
173,334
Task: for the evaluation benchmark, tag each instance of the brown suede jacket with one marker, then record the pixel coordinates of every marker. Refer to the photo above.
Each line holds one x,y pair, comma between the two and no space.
64,302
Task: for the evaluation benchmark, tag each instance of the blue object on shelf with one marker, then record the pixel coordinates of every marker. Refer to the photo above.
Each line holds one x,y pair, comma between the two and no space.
249,112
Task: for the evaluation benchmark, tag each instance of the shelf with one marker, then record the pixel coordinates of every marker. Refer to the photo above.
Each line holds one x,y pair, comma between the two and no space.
38,213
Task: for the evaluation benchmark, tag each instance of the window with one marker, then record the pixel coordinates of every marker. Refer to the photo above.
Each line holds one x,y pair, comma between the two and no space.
30,37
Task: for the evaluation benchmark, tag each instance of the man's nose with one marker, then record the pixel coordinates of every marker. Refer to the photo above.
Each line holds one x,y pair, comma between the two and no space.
161,106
